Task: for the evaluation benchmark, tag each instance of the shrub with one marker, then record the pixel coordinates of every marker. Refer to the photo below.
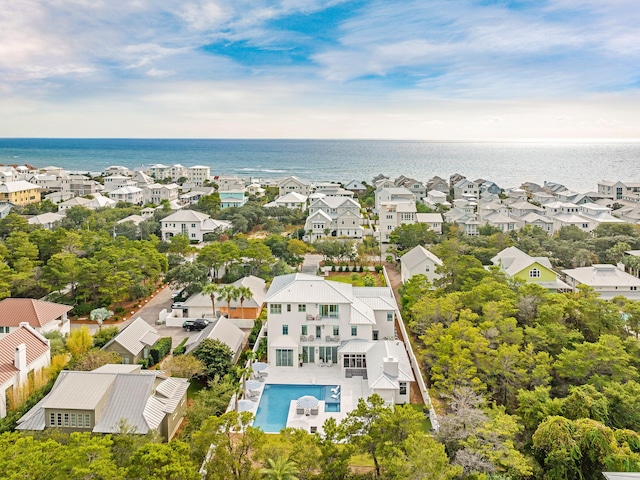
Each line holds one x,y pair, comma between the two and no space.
261,352
361,268
102,336
180,349
254,333
82,309
378,268
160,350
119,310
333,268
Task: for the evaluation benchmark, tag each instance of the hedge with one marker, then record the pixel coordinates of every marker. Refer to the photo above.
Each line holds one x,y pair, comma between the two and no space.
160,350
255,331
180,349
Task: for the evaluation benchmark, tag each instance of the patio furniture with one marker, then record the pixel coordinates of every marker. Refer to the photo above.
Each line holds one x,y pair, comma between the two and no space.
314,411
336,396
311,338
336,389
329,362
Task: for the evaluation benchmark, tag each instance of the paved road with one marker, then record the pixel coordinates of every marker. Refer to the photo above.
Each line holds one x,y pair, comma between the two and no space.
150,312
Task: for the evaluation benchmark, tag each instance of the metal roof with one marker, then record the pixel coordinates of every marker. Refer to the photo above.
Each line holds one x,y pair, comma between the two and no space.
135,336
221,329
186,216
375,364
80,390
304,288
356,345
602,275
419,254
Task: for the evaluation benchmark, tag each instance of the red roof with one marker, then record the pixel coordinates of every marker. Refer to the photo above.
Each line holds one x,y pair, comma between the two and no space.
36,313
35,348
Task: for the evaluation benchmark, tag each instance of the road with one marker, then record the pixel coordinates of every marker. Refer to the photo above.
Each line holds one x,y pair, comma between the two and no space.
150,312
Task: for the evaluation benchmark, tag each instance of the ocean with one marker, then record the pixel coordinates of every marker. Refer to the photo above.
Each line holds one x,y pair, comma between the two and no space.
578,165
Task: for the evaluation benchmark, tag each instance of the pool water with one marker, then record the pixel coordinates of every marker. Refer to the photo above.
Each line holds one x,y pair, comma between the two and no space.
273,409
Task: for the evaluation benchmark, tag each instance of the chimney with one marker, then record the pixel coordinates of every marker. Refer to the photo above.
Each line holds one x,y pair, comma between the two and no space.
20,361
390,366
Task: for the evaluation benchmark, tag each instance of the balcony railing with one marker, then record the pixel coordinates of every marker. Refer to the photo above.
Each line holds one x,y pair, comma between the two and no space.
322,318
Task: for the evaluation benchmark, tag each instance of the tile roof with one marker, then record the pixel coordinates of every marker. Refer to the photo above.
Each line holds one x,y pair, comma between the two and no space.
36,313
36,347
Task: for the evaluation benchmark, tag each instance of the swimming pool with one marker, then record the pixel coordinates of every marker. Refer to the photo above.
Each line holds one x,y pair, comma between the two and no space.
273,409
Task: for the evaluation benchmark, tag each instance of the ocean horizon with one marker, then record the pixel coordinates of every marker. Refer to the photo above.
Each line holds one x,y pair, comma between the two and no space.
578,164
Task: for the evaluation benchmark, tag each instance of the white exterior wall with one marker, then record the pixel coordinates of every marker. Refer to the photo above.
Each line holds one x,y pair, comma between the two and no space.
192,230
37,365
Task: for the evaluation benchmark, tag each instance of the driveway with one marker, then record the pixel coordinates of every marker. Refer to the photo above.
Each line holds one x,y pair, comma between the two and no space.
311,263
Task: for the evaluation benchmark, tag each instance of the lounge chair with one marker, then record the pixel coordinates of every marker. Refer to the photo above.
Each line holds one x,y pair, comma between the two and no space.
329,362
311,338
336,389
299,410
314,411
322,364
336,396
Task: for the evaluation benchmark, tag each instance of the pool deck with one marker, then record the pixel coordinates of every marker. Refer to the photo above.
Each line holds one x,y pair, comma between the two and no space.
352,389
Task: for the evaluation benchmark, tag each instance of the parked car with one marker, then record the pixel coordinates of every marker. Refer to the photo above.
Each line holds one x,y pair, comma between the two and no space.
197,324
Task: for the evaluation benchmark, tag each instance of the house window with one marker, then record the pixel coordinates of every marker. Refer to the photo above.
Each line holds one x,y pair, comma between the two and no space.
585,225
193,235
284,358
285,329
66,419
354,360
403,388
330,311
375,335
336,330
354,331
193,225
534,273
2,330
73,419
87,420
80,422
275,308
634,288
288,307
302,308
59,422
52,419
304,329
426,269
389,316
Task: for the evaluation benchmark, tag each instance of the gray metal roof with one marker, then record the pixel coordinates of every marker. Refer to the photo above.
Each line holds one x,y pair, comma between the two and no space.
304,288
621,476
135,336
221,329
80,390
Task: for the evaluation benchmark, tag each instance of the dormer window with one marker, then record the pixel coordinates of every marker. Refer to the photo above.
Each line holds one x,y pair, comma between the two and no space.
534,273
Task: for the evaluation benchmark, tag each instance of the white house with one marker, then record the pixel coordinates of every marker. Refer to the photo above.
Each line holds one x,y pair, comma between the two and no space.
40,315
317,321
115,182
393,214
21,352
131,195
294,184
435,198
47,220
392,195
291,200
198,174
192,224
334,216
607,280
419,261
434,220
220,329
227,183
157,192
465,188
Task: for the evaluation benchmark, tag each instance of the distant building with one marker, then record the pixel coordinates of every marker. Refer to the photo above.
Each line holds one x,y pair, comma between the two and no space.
19,193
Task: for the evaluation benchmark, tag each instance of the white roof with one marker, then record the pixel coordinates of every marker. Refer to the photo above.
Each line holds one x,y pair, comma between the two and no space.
602,275
221,329
45,218
376,355
429,217
304,288
513,260
136,219
18,186
419,254
186,216
125,190
292,197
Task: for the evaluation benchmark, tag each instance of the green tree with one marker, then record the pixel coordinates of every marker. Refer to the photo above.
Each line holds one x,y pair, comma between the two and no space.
79,341
244,293
183,366
281,468
189,276
212,289
408,236
215,356
228,293
163,461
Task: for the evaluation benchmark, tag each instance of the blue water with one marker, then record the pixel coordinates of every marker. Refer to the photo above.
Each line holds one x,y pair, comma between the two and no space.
273,409
578,165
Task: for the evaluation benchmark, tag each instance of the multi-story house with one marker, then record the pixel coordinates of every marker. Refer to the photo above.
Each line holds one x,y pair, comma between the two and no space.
392,195
439,184
192,224
157,192
319,322
393,214
117,170
171,172
23,352
198,174
229,183
517,265
81,185
465,188
118,181
19,193
335,217
40,315
418,189
294,184
232,198
131,195
419,261
434,220
617,190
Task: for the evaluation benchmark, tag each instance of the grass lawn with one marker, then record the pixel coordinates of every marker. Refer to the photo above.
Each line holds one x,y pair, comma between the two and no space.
425,425
194,387
356,280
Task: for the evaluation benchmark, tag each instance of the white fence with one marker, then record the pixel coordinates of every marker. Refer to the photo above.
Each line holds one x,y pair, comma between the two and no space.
417,372
174,318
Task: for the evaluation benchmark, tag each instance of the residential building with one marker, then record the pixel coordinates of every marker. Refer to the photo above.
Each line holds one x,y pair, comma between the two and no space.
393,214
435,198
517,265
198,174
607,280
438,184
418,189
101,400
117,170
192,224
291,200
133,342
115,182
255,189
434,220
232,198
356,187
131,195
419,261
228,183
334,216
317,321
47,220
155,193
42,316
294,184
221,329
19,192
199,305
617,190
73,202
171,172
465,188
389,195
536,220
23,353
81,185
463,214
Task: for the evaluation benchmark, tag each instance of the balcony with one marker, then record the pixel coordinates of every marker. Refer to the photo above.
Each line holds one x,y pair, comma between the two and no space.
318,340
323,318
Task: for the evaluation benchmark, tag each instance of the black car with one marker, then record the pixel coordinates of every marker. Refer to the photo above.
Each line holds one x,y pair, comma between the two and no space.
197,324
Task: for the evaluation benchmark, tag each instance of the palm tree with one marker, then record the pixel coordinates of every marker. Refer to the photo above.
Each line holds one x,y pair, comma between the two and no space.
212,289
245,294
228,293
280,469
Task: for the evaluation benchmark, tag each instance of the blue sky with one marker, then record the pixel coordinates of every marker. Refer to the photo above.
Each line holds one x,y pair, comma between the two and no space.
429,69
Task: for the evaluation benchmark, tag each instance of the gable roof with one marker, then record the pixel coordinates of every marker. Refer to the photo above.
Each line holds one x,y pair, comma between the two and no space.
221,329
377,378
36,347
602,275
36,313
419,254
513,260
301,287
186,216
135,336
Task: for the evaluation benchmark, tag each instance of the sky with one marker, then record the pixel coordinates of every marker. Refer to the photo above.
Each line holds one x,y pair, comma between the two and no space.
387,69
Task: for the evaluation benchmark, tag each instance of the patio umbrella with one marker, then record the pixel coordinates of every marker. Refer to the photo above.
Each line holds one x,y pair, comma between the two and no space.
253,384
259,366
245,405
308,401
